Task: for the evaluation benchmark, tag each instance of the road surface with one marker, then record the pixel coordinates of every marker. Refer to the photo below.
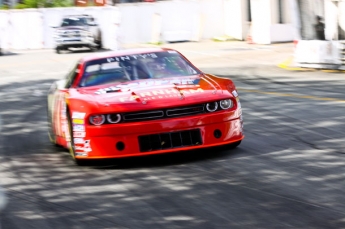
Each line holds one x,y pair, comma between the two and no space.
289,172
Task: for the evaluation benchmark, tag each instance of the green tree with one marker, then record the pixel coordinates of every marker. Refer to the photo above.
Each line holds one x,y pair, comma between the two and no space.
44,4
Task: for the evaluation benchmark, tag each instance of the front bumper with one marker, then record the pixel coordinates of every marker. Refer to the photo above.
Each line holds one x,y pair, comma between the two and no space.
114,141
72,42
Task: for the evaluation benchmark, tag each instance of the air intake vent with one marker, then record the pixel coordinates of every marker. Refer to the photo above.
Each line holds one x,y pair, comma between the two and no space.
169,140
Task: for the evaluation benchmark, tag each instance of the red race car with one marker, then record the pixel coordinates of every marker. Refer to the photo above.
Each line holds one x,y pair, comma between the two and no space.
140,102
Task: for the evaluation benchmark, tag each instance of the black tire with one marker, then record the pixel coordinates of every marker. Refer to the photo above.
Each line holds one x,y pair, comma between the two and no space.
93,48
99,41
58,50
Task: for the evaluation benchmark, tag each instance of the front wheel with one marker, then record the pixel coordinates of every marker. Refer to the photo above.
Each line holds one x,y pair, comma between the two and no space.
58,50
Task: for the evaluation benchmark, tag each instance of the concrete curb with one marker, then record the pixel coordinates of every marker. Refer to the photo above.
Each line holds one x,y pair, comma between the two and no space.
288,65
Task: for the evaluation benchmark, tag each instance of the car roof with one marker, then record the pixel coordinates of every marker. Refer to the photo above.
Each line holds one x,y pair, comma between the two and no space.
123,53
77,15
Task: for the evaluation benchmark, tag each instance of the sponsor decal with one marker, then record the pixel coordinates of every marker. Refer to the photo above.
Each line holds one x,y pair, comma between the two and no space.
64,126
160,94
78,115
80,148
78,128
81,154
78,140
63,110
176,82
78,121
79,134
131,57
234,92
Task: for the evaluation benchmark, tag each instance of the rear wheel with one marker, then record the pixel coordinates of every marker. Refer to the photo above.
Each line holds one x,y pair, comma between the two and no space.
99,42
93,48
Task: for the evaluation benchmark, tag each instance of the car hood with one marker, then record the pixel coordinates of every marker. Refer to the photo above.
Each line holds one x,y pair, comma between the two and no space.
150,94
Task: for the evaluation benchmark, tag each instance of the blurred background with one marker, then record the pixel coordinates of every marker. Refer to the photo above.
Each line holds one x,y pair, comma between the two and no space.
156,22
286,58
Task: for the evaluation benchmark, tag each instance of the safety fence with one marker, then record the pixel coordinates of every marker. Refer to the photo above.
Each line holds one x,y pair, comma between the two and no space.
126,23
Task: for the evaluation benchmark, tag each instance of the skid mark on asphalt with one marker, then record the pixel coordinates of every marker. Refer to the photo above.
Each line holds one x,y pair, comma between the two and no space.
292,95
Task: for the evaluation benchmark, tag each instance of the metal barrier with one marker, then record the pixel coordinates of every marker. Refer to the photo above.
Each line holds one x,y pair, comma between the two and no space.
125,23
319,54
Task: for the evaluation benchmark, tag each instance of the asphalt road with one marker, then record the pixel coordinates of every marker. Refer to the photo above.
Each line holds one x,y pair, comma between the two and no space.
289,172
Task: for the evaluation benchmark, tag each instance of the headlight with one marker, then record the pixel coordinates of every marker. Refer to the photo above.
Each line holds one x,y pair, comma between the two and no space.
113,118
97,120
226,104
213,106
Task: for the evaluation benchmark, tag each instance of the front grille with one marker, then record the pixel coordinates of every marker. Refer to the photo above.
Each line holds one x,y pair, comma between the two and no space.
72,40
170,140
143,115
185,111
165,113
71,33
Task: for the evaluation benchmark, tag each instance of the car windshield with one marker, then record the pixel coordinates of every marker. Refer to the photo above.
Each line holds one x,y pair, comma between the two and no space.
74,21
119,69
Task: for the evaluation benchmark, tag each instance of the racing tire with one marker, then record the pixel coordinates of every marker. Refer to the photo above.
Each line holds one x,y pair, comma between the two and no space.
58,50
234,145
100,42
71,147
93,49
